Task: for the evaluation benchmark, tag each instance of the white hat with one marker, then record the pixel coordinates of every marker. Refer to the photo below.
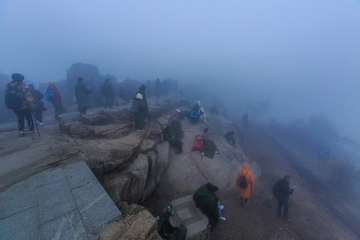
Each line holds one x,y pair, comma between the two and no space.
198,102
139,96
178,110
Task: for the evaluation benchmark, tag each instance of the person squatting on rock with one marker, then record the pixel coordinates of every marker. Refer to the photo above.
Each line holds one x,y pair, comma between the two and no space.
244,182
82,96
52,94
194,113
39,105
174,134
18,98
108,94
208,202
166,230
282,191
229,136
139,112
208,147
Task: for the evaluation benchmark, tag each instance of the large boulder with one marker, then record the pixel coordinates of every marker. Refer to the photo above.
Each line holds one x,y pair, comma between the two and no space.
106,156
138,224
95,119
75,129
123,114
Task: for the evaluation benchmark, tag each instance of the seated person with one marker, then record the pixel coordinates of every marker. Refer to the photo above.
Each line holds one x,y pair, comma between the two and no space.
208,148
202,115
174,135
168,231
229,136
206,199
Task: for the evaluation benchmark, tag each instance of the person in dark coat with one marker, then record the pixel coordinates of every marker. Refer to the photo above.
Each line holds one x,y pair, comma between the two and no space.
174,134
143,94
140,114
282,191
108,93
39,105
245,119
206,199
82,96
208,148
229,136
157,88
23,106
56,100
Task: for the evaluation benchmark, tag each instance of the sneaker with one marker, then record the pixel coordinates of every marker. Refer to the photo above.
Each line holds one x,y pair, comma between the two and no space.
221,207
40,123
21,133
202,153
32,132
222,218
216,152
170,208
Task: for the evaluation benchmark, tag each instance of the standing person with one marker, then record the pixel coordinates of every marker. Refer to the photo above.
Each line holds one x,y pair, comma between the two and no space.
157,88
244,183
82,96
139,113
282,191
108,93
19,99
245,119
143,94
53,95
39,105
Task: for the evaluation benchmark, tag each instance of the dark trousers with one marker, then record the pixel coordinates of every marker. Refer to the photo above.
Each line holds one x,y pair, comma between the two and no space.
58,108
283,202
38,115
22,114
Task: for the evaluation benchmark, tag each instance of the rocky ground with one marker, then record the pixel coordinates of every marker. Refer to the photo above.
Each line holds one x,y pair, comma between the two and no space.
136,167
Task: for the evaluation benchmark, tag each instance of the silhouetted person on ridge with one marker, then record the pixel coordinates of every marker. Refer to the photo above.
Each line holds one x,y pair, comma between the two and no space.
108,93
82,96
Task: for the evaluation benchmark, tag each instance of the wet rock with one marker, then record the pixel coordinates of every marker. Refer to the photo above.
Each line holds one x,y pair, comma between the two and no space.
146,145
75,129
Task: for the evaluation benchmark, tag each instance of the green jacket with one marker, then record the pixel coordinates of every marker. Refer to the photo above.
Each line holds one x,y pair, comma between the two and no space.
207,201
82,95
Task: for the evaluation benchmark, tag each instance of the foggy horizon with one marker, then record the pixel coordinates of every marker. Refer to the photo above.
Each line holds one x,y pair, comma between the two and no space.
303,56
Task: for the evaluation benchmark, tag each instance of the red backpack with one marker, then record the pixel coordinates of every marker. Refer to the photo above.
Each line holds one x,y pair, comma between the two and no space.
198,143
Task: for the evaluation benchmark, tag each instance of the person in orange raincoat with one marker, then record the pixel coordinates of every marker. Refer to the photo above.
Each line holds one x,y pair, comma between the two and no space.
244,183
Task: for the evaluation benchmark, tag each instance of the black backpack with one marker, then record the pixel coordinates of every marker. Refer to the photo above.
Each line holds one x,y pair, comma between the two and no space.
13,99
243,182
275,190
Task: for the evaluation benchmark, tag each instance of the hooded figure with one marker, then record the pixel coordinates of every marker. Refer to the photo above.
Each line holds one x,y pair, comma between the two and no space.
206,199
55,99
142,92
108,93
140,113
229,136
208,148
18,98
244,174
282,191
174,134
82,96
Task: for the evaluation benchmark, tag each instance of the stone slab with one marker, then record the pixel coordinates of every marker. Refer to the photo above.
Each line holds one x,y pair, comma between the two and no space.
20,226
68,226
18,197
95,206
184,213
49,176
55,199
78,174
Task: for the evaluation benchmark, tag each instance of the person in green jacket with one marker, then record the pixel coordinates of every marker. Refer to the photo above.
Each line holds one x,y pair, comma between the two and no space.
174,134
140,113
82,96
143,94
108,93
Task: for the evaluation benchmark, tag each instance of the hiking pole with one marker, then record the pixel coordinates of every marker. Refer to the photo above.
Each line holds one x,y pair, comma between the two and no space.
35,122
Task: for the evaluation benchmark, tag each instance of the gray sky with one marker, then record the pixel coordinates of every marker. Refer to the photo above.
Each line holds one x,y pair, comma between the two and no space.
303,55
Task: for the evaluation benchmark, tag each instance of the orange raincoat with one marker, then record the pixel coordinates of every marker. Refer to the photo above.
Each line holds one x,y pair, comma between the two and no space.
245,171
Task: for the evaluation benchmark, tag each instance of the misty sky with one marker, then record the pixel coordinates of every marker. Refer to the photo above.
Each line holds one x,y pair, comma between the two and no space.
302,55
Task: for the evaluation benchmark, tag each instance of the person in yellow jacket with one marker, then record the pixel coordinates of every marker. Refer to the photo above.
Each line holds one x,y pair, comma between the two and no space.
244,183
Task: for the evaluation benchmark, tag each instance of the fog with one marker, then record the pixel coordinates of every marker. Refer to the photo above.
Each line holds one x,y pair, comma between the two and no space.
303,56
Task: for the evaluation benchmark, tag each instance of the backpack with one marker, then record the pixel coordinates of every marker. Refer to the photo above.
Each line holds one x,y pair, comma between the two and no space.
193,115
275,190
243,182
49,95
134,107
13,99
198,143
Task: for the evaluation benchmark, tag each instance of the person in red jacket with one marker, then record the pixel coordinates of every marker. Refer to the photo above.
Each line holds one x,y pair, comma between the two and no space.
55,99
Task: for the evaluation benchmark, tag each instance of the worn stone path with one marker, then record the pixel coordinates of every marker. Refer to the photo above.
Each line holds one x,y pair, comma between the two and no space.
63,203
